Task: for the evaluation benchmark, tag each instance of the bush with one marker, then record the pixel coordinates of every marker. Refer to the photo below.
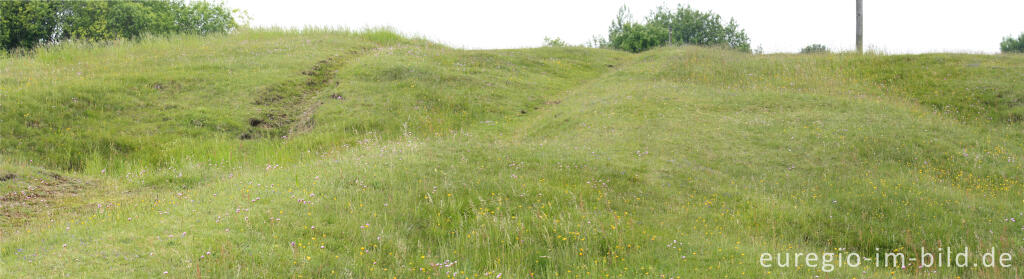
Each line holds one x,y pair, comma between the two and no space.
27,23
815,48
627,35
556,42
682,25
1011,45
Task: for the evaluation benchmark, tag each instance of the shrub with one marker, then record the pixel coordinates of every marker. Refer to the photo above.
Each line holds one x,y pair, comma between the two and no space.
627,35
27,23
556,42
815,48
682,25
1011,45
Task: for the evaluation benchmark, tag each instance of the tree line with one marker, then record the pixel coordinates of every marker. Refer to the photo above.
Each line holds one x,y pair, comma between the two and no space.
685,25
29,23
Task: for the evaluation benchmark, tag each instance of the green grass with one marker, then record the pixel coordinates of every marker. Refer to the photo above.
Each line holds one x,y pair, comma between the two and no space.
375,155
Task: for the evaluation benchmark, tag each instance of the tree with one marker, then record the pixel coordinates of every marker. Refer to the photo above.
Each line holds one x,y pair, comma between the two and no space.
627,35
1011,45
689,26
682,25
27,23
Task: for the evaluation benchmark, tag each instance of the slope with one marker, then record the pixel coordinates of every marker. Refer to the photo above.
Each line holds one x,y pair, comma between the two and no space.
416,160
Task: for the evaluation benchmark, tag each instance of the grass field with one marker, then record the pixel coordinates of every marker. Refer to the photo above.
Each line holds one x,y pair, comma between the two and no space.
321,153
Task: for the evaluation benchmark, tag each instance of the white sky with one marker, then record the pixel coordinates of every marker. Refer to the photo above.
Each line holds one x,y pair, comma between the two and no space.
894,26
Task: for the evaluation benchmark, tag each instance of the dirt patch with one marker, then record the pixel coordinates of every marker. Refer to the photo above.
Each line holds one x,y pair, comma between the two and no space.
288,107
33,195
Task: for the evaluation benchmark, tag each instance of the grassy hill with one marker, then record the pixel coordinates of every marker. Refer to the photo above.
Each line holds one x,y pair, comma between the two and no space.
324,153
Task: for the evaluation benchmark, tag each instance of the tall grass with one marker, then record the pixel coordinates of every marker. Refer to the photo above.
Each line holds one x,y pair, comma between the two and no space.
419,160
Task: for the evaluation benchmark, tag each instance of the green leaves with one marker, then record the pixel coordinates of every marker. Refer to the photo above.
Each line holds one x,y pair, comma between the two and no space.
1011,45
637,37
3,25
27,23
683,25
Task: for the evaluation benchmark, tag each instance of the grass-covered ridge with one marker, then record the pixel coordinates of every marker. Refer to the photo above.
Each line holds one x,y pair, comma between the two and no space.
367,154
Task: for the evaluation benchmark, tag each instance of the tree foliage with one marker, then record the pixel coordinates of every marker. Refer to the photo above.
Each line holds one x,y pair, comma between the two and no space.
627,35
682,25
27,23
1011,45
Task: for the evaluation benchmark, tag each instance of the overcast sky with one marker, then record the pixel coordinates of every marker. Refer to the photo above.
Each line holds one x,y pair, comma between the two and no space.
895,26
